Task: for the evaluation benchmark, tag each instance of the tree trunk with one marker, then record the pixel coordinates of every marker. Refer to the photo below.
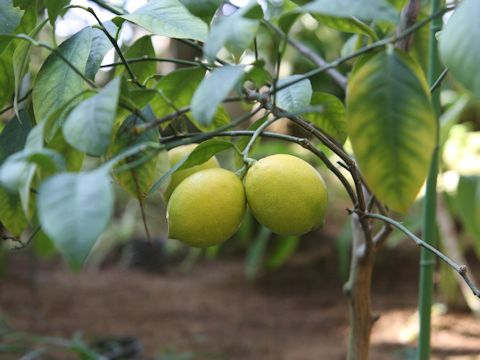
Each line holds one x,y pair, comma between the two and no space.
358,289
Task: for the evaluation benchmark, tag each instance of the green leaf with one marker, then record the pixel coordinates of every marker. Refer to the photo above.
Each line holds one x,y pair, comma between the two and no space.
285,247
21,60
9,17
258,74
204,9
168,18
235,31
459,45
138,180
100,46
14,135
25,25
201,154
55,8
73,157
11,213
391,125
451,117
74,209
176,89
348,25
365,9
213,90
142,70
56,82
330,117
88,126
468,204
220,118
16,168
294,98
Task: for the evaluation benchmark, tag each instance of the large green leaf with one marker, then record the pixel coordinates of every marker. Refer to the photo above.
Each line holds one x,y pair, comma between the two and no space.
142,70
57,82
392,126
468,204
235,31
294,98
73,157
88,126
362,9
74,209
176,90
138,180
213,90
168,18
460,45
330,117
100,46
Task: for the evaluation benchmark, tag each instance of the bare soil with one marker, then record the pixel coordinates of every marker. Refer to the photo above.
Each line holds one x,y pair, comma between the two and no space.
296,313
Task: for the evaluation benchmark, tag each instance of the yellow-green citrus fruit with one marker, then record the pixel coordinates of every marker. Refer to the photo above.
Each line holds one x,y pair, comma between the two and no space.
206,208
177,154
286,194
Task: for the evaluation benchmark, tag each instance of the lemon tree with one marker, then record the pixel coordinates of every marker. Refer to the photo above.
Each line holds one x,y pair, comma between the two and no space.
80,129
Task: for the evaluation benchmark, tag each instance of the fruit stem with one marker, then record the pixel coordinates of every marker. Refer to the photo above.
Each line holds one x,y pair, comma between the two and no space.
246,159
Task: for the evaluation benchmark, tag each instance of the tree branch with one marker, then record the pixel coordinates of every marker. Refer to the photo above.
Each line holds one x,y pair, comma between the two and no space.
408,18
460,269
339,78
366,49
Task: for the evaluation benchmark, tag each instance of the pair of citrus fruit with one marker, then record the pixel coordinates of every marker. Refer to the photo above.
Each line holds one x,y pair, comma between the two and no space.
206,203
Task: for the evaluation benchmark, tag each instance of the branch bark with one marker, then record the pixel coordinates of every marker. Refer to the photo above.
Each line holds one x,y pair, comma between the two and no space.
408,18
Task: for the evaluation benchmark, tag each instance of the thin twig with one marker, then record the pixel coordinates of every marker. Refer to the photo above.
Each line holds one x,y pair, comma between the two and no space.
108,7
438,82
368,48
461,269
181,111
339,78
157,59
254,137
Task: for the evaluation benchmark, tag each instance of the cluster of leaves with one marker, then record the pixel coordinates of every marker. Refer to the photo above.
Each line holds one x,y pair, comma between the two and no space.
388,116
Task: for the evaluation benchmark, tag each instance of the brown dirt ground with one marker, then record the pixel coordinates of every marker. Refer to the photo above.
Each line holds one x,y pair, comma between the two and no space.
296,313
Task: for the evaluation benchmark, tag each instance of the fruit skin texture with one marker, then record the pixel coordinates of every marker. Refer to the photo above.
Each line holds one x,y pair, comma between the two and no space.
206,208
177,154
286,194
